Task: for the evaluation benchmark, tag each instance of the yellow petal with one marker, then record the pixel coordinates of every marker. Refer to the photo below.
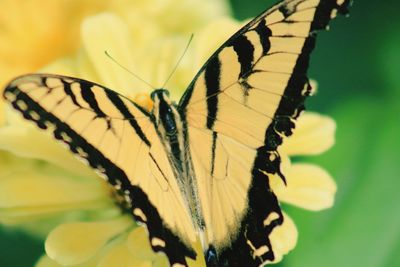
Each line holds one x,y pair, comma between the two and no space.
200,261
284,238
120,256
2,111
180,16
161,262
9,164
45,261
53,31
39,220
139,245
31,191
107,32
62,66
313,135
76,243
23,139
35,185
160,58
220,30
308,186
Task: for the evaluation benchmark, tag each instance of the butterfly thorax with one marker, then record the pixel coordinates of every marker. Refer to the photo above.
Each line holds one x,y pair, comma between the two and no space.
171,127
167,119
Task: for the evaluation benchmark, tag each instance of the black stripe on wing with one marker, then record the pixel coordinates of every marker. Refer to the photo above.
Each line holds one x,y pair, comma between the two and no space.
140,205
88,96
298,88
245,52
253,233
264,33
116,100
212,76
69,93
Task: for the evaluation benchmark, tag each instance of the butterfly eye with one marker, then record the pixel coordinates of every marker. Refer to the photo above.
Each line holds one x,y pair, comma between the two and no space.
161,93
166,92
152,95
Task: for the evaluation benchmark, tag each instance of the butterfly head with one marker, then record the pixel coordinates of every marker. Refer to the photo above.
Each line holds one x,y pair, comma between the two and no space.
159,93
167,118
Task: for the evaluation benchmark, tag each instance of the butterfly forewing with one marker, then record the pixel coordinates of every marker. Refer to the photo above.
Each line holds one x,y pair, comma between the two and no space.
251,91
265,62
118,139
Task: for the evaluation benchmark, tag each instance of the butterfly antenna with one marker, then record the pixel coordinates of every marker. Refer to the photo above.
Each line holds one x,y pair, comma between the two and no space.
179,61
129,71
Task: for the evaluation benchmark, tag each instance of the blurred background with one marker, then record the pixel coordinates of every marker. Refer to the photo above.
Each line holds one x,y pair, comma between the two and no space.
357,67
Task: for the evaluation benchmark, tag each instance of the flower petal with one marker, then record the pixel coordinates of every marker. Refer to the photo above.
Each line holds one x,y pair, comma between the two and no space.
161,262
120,256
308,186
35,185
53,31
64,66
314,134
2,112
138,244
45,261
170,14
220,30
25,140
284,238
31,191
107,32
10,164
76,243
200,261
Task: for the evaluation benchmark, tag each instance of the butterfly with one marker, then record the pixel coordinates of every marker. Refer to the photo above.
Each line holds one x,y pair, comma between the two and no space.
198,169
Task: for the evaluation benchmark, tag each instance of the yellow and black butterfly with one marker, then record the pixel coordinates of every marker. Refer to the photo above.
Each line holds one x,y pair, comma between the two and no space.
199,169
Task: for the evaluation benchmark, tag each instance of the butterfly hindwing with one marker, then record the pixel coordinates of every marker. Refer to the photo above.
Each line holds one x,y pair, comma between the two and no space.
118,139
251,90
228,184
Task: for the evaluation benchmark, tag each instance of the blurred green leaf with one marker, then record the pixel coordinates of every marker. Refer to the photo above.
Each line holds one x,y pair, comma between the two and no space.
17,249
363,227
245,9
390,59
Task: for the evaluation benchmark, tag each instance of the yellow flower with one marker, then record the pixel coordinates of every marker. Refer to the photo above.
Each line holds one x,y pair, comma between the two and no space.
2,115
91,230
34,33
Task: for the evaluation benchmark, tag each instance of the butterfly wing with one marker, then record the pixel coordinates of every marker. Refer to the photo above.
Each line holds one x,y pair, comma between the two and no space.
118,139
244,100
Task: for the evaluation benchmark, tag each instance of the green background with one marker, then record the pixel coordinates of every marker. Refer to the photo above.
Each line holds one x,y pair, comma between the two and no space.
357,66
